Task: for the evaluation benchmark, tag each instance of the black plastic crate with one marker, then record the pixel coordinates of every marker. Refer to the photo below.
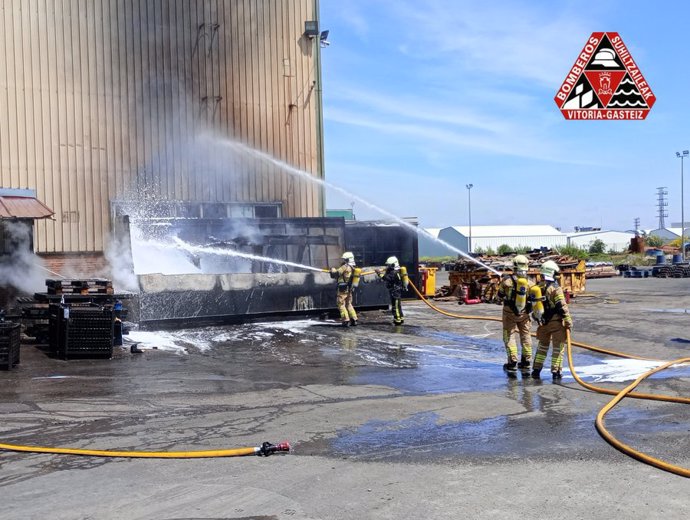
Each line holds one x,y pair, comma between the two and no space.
9,344
81,331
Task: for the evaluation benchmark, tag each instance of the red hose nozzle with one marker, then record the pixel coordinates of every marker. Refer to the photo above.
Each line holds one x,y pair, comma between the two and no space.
267,448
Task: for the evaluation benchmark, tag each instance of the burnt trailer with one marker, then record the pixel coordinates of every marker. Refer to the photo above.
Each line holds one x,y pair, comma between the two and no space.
230,281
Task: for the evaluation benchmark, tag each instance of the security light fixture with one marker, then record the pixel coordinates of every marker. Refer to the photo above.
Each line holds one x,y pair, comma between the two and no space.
311,28
323,39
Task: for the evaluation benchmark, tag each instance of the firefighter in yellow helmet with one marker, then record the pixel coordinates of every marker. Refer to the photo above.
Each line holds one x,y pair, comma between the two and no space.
554,323
396,280
344,275
514,293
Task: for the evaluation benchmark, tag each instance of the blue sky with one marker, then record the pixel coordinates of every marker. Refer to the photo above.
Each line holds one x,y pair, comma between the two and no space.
422,97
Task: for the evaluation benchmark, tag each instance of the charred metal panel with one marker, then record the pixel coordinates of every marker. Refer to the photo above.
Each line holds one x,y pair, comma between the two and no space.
372,242
167,300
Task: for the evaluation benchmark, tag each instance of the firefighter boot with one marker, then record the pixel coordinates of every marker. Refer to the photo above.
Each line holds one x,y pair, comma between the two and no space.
557,376
524,363
353,322
510,366
536,373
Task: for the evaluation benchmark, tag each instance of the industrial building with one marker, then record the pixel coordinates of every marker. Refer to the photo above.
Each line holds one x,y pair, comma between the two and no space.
170,107
482,238
613,240
429,247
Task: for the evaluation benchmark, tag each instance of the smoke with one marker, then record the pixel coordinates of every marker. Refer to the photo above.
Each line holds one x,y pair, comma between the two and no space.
119,257
21,268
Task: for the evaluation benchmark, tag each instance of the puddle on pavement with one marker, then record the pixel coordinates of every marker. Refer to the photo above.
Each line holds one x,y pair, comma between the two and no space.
412,359
421,438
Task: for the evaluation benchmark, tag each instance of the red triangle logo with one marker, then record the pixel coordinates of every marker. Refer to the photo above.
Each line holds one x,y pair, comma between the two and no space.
605,71
604,83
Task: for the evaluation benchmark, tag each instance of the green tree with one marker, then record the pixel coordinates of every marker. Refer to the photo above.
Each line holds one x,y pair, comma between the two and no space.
597,247
504,249
573,251
654,241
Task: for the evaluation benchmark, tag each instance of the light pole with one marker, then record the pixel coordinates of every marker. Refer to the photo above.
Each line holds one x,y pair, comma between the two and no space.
469,211
682,156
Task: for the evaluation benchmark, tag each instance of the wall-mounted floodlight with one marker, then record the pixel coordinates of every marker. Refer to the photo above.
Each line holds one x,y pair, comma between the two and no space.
311,28
323,39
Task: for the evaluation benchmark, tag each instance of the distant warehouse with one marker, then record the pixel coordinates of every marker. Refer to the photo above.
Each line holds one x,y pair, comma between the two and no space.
483,238
617,241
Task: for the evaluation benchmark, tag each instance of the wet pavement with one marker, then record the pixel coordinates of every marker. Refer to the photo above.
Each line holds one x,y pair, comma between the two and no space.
418,421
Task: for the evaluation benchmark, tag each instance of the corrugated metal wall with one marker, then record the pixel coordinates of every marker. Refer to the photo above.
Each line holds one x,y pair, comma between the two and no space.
110,99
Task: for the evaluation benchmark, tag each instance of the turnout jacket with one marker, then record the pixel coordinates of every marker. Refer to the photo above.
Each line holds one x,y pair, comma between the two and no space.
554,304
344,276
393,282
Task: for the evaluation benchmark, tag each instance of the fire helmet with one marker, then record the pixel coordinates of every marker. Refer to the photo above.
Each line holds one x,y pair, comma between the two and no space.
348,258
549,269
520,263
392,261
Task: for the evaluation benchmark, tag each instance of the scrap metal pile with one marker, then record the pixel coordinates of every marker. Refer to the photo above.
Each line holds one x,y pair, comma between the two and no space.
470,281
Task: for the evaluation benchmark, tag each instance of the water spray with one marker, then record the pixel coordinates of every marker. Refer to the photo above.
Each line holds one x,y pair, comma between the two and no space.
51,272
230,252
306,175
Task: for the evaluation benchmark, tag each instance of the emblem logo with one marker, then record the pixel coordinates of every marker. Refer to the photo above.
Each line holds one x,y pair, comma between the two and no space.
605,83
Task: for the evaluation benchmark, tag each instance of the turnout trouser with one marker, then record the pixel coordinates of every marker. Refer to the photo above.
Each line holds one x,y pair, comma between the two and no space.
553,332
516,326
396,310
347,311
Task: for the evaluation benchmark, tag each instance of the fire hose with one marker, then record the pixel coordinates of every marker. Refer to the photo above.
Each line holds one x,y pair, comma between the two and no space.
265,450
619,394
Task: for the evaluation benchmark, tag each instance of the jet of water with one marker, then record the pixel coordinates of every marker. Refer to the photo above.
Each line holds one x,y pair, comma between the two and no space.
229,252
306,175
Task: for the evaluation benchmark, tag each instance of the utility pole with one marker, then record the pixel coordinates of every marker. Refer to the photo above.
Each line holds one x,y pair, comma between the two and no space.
661,205
469,210
682,156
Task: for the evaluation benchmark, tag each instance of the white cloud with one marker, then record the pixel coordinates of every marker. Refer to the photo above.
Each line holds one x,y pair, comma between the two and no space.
509,39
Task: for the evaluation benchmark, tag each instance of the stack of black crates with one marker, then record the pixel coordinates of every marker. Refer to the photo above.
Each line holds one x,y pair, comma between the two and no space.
81,330
9,344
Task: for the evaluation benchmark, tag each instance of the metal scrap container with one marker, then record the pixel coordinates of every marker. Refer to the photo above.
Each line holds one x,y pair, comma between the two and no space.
571,278
9,344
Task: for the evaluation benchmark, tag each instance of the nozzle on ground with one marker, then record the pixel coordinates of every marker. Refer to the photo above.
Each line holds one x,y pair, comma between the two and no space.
267,448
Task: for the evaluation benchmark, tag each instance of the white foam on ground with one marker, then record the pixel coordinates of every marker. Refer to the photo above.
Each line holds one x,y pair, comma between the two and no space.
616,370
296,327
178,341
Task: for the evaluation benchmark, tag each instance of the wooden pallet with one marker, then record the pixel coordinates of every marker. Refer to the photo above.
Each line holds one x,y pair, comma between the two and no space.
80,286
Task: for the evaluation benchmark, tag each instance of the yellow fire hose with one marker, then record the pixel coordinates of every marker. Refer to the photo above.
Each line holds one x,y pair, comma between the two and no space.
619,395
624,447
265,449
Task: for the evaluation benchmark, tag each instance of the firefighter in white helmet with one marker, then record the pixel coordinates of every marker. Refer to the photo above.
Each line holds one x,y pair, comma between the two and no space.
554,323
514,293
396,280
344,275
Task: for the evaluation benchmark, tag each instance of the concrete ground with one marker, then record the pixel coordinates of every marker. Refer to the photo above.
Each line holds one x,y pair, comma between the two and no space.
386,422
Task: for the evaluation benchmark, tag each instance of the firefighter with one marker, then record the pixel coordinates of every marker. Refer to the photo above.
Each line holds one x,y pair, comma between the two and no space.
514,293
554,323
396,280
344,275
